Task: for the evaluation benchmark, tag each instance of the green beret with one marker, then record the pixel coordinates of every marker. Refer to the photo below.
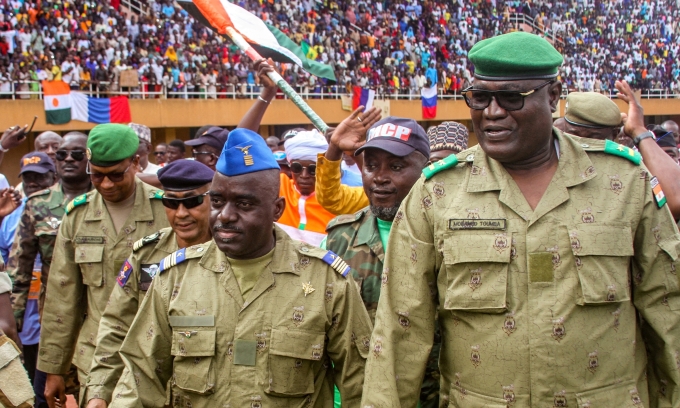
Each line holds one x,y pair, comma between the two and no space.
591,110
110,144
514,56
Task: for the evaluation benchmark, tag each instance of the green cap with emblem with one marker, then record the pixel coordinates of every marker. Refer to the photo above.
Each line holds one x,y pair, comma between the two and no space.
515,56
110,144
591,110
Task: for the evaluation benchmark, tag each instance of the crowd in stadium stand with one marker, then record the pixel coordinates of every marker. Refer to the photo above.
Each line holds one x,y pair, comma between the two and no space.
396,47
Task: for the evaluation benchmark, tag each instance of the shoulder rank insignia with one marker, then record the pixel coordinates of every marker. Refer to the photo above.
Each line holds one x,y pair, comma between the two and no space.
80,200
616,149
440,165
157,195
124,273
146,240
334,260
173,259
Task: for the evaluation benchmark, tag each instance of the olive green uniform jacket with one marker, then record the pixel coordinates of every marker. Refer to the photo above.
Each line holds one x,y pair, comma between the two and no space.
87,257
198,343
551,307
132,283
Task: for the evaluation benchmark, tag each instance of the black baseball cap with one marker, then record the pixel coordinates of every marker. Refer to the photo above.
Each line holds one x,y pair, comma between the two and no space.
399,136
38,162
215,137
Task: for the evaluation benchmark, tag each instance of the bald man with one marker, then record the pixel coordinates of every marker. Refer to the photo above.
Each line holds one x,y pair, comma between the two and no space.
273,143
672,126
48,143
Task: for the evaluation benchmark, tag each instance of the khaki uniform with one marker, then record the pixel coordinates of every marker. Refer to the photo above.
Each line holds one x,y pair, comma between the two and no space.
197,343
132,283
551,307
87,258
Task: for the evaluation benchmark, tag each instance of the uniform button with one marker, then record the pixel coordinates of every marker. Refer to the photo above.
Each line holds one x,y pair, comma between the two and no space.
304,249
199,249
585,145
470,157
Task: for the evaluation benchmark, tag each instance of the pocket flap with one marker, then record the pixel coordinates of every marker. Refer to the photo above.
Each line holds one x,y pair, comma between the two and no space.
193,342
89,253
7,353
671,246
297,344
477,246
606,240
616,395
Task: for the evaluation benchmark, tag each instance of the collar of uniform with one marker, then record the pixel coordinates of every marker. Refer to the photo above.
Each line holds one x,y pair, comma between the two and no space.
487,174
57,196
141,211
368,234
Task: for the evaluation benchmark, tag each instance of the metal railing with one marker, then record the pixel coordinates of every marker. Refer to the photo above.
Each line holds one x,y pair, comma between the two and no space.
136,6
520,18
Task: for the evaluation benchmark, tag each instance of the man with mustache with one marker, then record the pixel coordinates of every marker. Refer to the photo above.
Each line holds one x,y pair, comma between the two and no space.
186,184
251,318
548,260
95,237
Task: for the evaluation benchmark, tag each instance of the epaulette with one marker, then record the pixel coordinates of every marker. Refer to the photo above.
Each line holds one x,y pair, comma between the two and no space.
39,193
146,240
337,263
156,194
345,219
445,163
180,256
608,147
80,200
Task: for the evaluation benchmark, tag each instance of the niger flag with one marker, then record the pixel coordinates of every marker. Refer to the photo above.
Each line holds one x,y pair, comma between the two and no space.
57,102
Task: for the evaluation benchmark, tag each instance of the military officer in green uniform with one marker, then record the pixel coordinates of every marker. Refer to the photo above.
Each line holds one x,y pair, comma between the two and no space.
252,318
95,237
551,260
186,184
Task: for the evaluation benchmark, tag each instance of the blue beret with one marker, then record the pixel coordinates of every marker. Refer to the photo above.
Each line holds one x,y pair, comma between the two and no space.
182,175
245,152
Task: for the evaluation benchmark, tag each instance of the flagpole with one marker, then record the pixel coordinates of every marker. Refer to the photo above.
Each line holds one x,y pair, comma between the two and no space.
279,81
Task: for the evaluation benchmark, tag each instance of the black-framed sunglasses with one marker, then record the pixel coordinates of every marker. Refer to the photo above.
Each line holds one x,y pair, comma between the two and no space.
188,202
195,153
298,168
479,99
114,177
77,155
159,153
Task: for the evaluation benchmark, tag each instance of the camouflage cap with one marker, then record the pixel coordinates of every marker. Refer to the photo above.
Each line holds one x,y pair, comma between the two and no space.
591,110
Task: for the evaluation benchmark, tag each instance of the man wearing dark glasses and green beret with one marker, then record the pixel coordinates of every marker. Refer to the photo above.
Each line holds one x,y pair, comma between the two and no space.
186,184
95,237
550,258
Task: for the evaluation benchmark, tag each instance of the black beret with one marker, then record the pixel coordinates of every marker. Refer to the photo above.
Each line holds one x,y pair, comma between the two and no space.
182,175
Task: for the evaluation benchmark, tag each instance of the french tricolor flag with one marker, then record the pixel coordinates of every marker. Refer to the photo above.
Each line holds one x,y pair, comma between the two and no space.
428,96
99,110
362,97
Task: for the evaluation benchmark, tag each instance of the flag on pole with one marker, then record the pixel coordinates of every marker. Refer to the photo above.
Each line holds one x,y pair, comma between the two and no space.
100,110
362,97
57,97
428,96
266,39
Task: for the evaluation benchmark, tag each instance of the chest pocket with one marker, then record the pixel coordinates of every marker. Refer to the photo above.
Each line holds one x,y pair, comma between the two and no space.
89,258
602,256
193,349
476,264
293,357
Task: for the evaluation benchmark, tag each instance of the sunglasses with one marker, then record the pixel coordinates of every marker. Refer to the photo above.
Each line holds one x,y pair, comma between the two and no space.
77,155
479,99
194,153
297,168
159,153
188,202
113,177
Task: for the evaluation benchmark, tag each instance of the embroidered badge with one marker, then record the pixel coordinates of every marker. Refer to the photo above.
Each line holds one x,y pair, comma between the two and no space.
124,273
659,196
475,356
615,184
559,330
247,158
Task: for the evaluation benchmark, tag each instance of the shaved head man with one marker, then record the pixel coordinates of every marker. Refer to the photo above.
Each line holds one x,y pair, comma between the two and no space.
48,143
672,126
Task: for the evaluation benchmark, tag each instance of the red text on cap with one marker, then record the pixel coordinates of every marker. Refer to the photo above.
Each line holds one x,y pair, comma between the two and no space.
390,130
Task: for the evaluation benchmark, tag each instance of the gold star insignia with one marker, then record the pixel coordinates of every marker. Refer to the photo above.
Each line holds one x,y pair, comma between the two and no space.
307,288
620,148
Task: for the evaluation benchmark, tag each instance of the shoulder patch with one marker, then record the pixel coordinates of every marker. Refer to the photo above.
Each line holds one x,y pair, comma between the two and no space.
616,149
337,263
156,194
146,240
445,163
345,219
80,200
124,273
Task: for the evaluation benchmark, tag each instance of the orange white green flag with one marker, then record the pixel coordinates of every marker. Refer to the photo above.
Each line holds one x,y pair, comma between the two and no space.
57,96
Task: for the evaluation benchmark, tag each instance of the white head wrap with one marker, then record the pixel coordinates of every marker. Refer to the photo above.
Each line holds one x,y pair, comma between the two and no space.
305,145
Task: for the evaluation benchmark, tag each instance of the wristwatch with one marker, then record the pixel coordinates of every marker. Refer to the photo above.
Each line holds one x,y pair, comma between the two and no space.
637,139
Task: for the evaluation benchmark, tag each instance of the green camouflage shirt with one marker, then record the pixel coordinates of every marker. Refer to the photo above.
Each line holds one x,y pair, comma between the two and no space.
36,234
88,256
572,304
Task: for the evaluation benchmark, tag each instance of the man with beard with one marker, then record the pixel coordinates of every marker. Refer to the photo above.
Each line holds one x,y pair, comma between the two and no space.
186,184
94,239
251,318
548,260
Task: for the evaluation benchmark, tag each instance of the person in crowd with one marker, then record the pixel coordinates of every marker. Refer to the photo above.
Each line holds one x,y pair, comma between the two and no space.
144,134
273,143
446,139
533,240
31,254
666,141
94,239
249,269
48,143
175,151
280,157
590,114
207,147
159,154
187,207
672,126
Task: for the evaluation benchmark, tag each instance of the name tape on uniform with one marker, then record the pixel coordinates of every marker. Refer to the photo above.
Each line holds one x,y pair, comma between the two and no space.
89,240
477,224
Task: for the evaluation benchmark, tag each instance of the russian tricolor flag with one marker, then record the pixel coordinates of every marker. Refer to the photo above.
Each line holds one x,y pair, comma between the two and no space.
100,110
362,97
428,96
